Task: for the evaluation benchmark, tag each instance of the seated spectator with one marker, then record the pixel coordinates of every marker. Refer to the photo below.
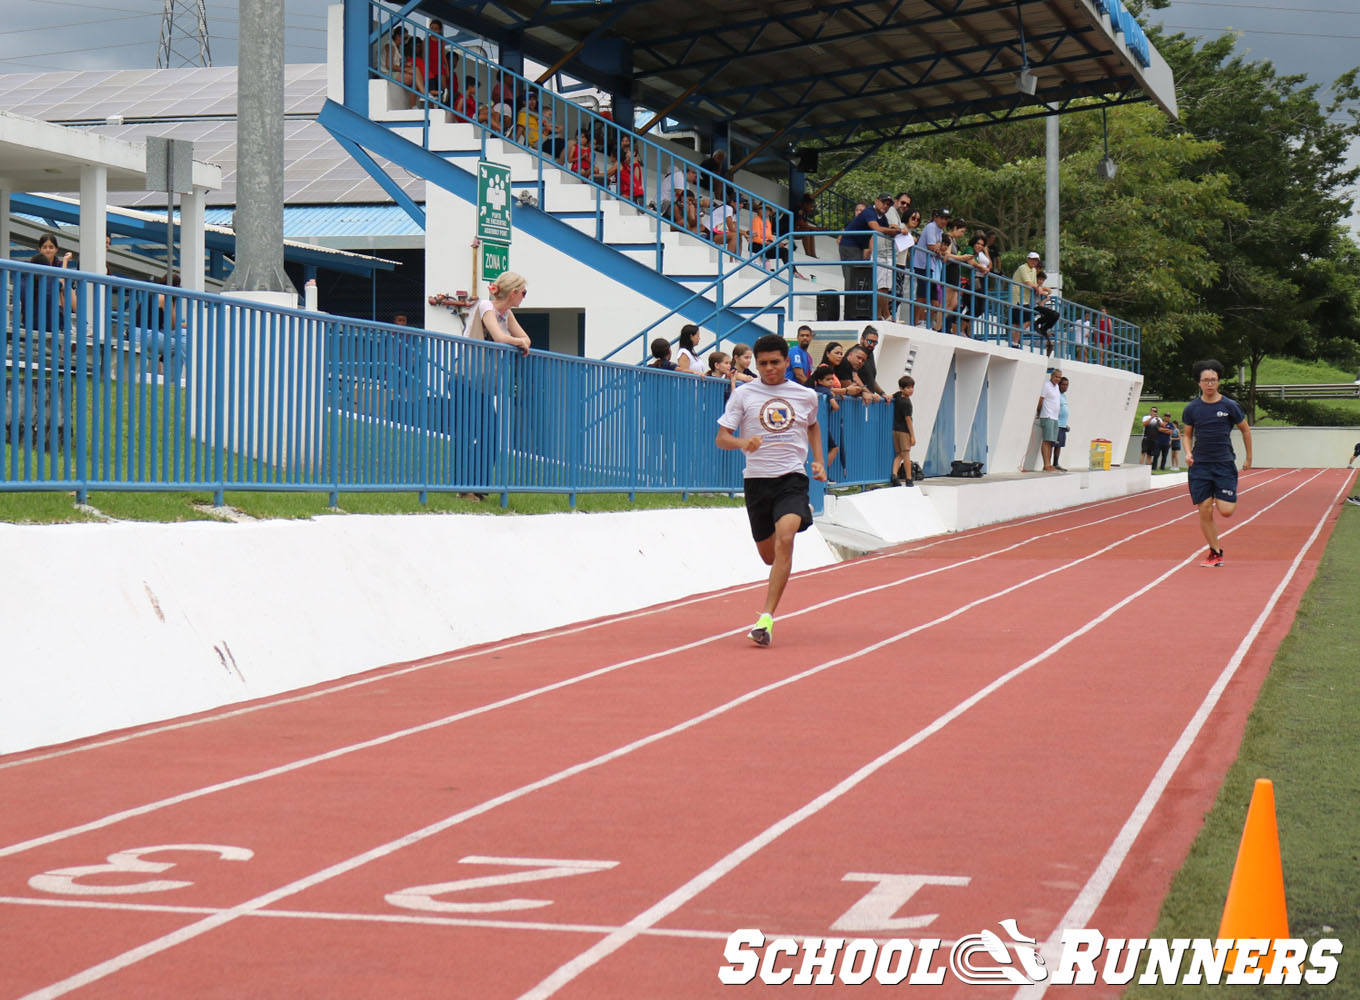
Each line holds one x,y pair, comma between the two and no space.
466,106
762,233
439,62
502,118
527,121
579,157
723,226
661,355
413,72
677,180
553,142
1044,313
630,184
802,223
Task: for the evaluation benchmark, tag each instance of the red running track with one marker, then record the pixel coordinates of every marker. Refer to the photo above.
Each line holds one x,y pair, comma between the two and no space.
1026,721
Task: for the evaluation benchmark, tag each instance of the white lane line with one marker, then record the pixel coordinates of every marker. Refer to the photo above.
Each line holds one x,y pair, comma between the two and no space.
191,931
480,923
282,769
444,661
1088,900
570,970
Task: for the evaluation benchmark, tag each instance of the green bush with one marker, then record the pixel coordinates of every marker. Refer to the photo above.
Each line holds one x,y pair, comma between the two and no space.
1306,413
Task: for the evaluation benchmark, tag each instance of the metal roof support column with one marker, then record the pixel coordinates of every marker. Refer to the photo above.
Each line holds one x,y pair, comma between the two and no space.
259,176
5,235
1051,263
356,55
94,213
192,239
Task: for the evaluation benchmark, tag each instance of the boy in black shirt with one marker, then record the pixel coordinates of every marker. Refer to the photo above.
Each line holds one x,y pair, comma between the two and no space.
1206,433
903,431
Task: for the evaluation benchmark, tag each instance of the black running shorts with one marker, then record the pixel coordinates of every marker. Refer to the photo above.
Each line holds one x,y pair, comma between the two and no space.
768,500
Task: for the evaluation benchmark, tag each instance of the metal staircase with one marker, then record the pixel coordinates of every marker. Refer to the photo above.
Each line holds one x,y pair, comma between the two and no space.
689,275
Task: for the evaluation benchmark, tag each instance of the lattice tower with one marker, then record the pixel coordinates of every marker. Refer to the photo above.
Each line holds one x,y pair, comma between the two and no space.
184,35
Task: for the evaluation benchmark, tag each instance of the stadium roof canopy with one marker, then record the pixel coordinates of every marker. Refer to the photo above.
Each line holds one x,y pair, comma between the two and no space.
843,73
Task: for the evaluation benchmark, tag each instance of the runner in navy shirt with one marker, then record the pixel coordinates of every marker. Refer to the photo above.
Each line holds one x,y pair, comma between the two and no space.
1206,433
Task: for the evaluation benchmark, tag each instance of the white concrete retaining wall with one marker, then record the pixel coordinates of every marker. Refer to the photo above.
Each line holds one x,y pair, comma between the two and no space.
1102,400
1282,447
113,625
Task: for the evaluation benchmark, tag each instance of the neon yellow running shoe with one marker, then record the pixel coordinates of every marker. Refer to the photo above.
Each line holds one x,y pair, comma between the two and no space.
763,631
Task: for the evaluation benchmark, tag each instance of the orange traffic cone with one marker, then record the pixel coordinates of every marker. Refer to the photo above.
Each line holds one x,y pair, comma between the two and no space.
1255,906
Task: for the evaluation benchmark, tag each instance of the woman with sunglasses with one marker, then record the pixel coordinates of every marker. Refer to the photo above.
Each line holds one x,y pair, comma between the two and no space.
902,244
981,265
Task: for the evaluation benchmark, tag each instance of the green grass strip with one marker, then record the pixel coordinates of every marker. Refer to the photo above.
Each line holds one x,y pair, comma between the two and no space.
60,508
1304,735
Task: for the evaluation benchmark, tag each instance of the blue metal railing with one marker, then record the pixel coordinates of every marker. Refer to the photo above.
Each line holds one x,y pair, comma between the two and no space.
988,307
117,384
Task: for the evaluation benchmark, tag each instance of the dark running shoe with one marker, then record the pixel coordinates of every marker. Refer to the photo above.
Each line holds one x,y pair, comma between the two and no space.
1214,558
1355,500
763,631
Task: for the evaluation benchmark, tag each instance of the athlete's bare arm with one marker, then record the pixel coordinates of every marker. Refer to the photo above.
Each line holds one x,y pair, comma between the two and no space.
730,442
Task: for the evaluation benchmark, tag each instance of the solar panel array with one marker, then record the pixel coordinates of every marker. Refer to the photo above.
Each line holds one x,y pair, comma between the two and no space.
199,104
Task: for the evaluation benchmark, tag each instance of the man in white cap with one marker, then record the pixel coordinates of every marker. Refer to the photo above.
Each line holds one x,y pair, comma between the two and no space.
1023,294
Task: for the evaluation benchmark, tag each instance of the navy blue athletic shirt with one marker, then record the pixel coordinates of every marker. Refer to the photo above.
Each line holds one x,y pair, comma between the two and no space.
1213,424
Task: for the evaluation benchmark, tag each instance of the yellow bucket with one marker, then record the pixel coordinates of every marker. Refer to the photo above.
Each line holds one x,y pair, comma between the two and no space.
1101,450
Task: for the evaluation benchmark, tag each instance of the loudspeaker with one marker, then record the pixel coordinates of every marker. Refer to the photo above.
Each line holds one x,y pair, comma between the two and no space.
807,160
828,308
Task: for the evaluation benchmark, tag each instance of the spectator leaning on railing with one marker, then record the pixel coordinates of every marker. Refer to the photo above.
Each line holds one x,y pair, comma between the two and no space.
927,264
854,251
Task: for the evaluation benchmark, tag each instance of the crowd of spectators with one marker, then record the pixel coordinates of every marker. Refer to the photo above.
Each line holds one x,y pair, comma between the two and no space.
938,275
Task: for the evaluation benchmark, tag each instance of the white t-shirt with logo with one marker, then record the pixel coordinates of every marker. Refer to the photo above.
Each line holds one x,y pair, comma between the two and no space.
780,414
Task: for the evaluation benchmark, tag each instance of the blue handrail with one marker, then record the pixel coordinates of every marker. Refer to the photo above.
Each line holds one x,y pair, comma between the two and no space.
111,383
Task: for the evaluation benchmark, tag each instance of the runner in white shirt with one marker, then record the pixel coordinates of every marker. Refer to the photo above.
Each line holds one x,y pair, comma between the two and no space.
774,421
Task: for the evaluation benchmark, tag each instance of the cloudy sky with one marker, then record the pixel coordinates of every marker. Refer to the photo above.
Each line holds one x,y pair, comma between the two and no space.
1316,38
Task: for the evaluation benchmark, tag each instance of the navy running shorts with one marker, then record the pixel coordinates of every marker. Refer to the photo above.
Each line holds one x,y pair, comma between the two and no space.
1213,479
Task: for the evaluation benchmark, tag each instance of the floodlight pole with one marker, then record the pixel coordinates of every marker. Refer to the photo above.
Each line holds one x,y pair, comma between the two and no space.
1051,263
259,161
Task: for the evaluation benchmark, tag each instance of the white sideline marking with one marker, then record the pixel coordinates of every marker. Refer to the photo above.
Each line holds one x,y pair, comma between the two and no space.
281,769
400,918
273,772
1083,908
554,634
567,972
191,931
